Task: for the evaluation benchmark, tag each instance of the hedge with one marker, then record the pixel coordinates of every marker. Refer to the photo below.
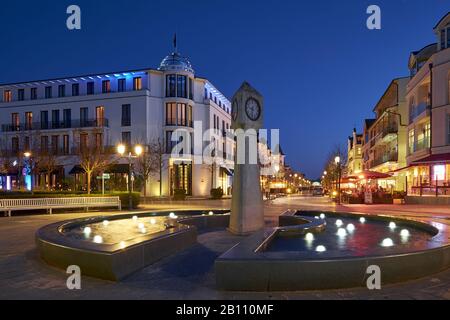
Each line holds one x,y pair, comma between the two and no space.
124,198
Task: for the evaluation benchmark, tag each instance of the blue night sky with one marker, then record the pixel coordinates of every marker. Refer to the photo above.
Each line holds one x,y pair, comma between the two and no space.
318,66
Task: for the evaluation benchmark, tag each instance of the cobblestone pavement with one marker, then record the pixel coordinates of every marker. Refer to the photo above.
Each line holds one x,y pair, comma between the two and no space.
188,274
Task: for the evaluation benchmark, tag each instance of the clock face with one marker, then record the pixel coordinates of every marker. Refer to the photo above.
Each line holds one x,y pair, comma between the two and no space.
253,109
234,110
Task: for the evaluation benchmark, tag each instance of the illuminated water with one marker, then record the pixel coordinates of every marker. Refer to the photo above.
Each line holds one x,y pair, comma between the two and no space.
355,238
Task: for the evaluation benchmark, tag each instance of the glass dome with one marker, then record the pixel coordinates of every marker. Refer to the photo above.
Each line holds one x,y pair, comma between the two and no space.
175,62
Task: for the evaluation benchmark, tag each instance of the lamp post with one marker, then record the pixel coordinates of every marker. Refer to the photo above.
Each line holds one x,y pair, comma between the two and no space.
337,160
121,149
27,156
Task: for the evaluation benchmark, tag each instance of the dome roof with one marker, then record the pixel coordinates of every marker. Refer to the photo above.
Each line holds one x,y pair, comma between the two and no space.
175,62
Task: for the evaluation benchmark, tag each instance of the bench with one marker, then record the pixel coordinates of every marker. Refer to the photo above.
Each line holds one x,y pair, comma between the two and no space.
9,205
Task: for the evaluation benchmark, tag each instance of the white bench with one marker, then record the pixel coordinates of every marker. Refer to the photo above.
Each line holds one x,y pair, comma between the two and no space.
9,205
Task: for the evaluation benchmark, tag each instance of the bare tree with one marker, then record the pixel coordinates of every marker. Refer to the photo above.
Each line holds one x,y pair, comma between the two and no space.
46,161
6,160
146,164
93,157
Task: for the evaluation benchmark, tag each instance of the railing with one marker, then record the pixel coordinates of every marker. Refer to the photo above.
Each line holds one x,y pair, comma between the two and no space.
385,158
417,110
51,125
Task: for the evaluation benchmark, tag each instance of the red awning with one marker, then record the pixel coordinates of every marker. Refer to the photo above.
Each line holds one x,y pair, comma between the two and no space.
371,175
434,159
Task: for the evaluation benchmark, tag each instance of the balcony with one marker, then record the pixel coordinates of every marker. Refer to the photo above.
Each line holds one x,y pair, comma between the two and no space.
74,124
389,157
417,111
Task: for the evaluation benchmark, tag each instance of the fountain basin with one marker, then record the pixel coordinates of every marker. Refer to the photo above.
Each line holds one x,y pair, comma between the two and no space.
124,247
276,260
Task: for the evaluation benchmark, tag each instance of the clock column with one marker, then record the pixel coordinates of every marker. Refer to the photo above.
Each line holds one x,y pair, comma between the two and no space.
247,211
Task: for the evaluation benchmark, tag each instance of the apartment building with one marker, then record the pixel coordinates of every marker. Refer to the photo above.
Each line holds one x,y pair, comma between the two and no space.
129,107
428,98
354,153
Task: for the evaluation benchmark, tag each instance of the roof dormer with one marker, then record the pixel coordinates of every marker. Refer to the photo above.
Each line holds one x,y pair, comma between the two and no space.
442,31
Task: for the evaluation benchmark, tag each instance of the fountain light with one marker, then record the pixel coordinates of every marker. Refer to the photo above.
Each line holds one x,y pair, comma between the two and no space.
87,231
387,242
392,225
321,248
135,218
173,215
98,239
211,213
362,220
122,245
341,232
316,217
404,233
143,230
309,236
322,216
105,223
339,222
141,226
152,221
351,227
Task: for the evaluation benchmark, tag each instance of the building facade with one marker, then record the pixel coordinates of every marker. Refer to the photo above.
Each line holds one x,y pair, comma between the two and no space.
130,107
354,154
428,98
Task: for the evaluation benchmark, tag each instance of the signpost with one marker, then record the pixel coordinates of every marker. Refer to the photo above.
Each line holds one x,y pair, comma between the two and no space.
105,176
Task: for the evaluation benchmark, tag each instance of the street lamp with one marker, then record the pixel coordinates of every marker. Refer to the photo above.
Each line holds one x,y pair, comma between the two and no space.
121,149
337,160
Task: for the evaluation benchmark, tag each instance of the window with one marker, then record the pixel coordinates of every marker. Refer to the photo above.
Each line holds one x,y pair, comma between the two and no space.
90,88
7,96
181,110
411,141
48,92
121,85
100,116
21,94
126,115
55,144
15,121
15,144
44,120
26,143
99,140
181,86
65,144
44,144
171,114
55,119
33,93
75,89
83,117
67,118
448,129
126,138
106,86
137,83
62,91
427,133
191,89
448,37
28,120
170,85
169,143
189,116
83,141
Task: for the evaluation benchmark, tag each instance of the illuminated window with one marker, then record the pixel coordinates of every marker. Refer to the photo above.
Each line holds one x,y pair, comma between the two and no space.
137,83
439,172
66,144
106,86
448,129
28,120
171,114
411,141
7,96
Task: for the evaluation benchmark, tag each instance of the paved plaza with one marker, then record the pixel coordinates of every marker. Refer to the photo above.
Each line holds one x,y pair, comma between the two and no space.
189,274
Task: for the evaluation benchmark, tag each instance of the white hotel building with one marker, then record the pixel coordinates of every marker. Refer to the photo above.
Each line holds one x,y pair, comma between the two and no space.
130,107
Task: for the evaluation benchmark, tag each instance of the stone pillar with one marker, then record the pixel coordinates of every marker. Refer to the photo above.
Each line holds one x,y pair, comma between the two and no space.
247,211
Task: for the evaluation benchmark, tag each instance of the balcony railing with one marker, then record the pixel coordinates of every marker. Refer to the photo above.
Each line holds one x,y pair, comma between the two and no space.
390,157
51,125
416,111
